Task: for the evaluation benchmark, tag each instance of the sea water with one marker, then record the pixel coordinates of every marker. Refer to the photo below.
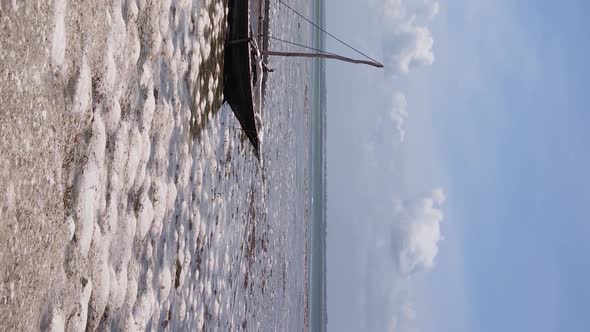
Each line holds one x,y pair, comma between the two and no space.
318,227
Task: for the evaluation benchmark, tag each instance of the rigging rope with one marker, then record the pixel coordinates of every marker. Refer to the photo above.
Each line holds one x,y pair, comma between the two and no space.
326,32
300,45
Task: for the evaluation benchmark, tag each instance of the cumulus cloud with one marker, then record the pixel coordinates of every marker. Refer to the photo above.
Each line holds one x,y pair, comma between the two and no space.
398,113
417,231
404,318
408,41
386,130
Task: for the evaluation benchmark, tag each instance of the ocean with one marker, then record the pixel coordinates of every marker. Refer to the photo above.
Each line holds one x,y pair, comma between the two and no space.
131,198
318,176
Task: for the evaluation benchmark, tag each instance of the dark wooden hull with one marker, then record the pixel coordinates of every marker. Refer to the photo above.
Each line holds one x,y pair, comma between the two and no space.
238,70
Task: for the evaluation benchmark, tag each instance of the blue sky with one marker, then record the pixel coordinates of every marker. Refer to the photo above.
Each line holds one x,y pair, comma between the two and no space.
499,122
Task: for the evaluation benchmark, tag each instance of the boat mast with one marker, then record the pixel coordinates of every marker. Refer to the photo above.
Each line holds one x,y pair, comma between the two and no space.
322,55
318,53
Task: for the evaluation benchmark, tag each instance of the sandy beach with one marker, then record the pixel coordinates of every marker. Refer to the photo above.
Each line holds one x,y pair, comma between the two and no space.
129,198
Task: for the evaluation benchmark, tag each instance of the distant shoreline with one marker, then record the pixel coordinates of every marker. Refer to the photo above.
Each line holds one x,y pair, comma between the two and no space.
317,277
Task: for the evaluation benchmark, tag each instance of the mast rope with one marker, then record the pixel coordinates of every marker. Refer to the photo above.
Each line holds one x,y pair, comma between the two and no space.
326,32
301,45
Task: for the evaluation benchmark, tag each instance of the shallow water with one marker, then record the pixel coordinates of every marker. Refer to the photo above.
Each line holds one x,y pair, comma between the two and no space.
130,199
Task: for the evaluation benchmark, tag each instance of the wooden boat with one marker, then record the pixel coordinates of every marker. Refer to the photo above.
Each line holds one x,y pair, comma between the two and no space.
243,67
242,70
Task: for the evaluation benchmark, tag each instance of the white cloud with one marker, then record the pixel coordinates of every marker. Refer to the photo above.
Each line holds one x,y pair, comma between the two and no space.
399,114
417,232
404,318
408,43
384,133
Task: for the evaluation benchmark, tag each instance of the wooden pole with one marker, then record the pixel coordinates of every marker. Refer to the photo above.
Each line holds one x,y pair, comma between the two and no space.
323,55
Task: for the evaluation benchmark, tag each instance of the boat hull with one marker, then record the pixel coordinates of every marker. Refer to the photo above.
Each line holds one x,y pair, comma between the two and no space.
241,70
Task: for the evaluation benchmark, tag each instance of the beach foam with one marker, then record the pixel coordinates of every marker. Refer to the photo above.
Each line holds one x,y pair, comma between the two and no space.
58,47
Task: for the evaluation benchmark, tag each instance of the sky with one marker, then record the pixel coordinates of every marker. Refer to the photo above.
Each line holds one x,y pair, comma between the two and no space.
458,186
